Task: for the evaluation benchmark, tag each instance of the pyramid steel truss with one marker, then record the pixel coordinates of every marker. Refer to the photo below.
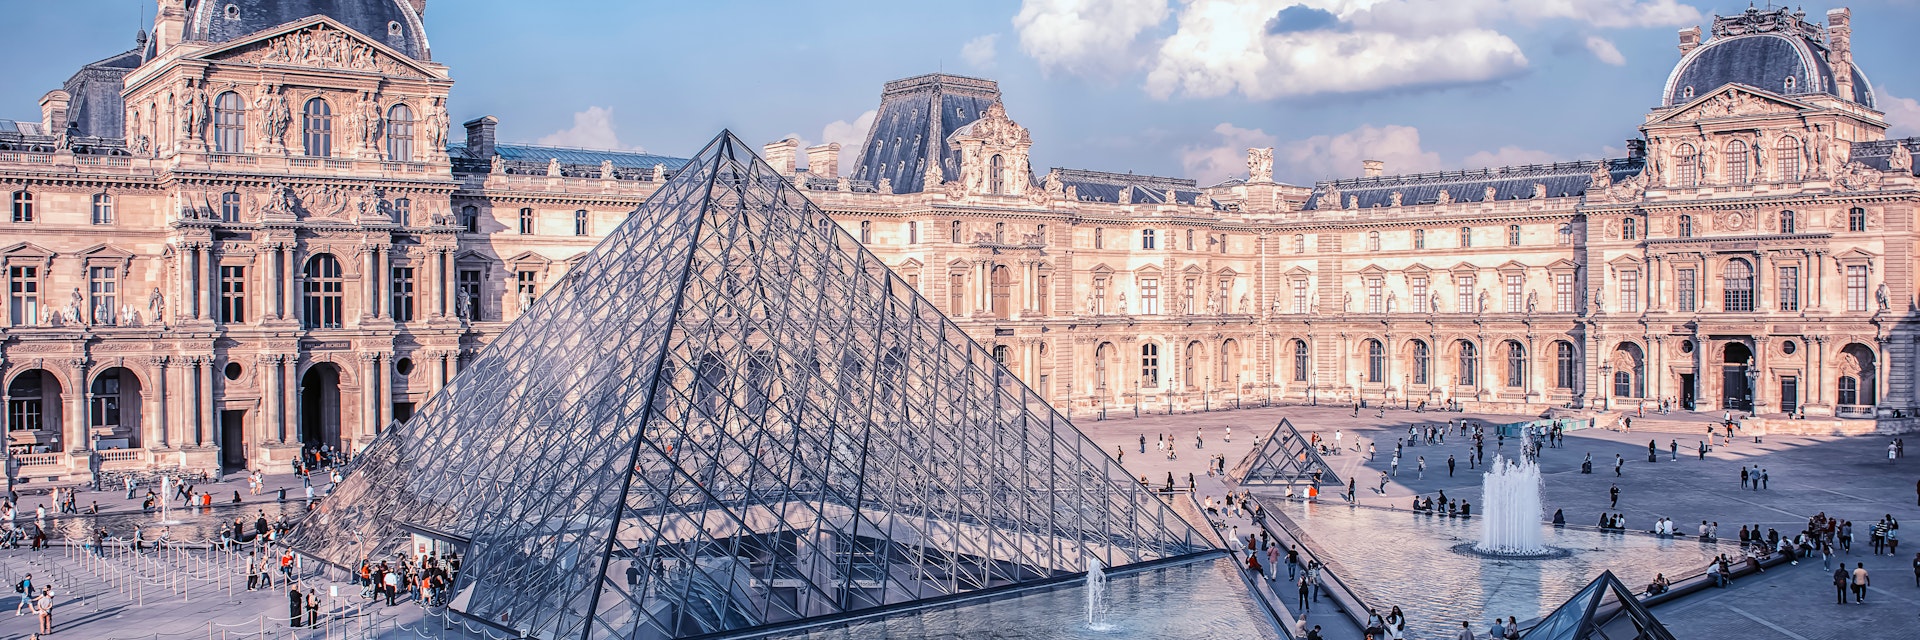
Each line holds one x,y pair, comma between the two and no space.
1604,610
1284,457
730,415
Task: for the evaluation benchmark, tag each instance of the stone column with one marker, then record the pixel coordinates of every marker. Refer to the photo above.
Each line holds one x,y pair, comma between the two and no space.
1760,292
79,422
1882,365
159,364
381,292
383,391
207,411
369,362
439,360
212,284
289,293
367,277
288,367
1760,344
190,281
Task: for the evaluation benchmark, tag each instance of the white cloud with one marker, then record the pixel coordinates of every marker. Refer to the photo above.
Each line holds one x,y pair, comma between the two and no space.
1508,156
1339,155
1210,165
1903,114
979,52
592,129
850,135
1086,36
1266,49
1604,51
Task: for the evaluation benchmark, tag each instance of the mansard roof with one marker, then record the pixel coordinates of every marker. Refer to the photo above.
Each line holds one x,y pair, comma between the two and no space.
906,136
95,106
391,22
1762,49
1879,154
1561,179
576,156
1104,186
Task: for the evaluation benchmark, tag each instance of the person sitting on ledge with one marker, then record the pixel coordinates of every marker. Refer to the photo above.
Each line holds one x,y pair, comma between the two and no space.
1452,508
1659,585
1559,518
1466,509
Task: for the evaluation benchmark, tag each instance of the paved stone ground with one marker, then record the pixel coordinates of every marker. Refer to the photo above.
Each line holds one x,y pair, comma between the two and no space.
1844,477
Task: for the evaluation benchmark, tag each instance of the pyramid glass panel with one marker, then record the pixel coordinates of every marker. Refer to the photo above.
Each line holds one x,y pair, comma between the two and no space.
729,416
1284,457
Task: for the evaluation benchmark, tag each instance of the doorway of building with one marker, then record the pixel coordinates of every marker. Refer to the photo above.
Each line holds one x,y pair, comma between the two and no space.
320,407
1735,391
233,439
402,412
1789,394
1686,391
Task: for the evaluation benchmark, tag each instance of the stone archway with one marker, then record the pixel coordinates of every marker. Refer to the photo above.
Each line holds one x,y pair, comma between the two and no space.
320,407
1736,388
1856,377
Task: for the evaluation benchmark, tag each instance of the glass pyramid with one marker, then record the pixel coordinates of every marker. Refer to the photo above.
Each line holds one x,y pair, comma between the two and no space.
1284,457
730,415
1604,610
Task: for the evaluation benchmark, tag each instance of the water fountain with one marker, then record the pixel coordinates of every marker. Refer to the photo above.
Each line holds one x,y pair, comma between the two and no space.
1096,596
1510,499
166,500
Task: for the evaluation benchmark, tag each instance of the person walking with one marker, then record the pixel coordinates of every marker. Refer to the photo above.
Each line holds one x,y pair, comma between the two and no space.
1305,590
1618,462
1763,478
1613,495
1840,583
44,609
1703,449
1860,583
1422,469
1450,469
25,588
1743,477
1395,464
1383,484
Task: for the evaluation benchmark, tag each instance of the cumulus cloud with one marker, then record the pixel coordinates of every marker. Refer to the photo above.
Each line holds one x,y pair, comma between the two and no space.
979,52
1509,156
1266,49
1903,114
592,129
1211,164
850,135
1086,36
1604,51
1338,155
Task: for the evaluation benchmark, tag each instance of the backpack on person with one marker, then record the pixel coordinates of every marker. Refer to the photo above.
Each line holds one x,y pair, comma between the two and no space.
20,587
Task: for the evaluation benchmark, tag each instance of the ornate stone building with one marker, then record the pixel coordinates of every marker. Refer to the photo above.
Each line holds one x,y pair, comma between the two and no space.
252,233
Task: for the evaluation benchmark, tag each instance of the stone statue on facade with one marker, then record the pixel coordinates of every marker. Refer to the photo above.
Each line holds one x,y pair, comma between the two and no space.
1122,307
1480,305
885,186
1444,197
1394,199
370,124
279,118
1091,308
157,306
1172,197
1346,302
1246,304
553,167
1391,302
193,111
1597,306
129,317
1275,308
1125,196
526,301
1880,297
1213,304
280,201
1488,194
1433,302
1533,298
1260,165
75,304
437,126
1901,159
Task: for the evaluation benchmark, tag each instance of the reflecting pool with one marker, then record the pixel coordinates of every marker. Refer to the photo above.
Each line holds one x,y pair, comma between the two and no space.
183,524
1397,558
1202,600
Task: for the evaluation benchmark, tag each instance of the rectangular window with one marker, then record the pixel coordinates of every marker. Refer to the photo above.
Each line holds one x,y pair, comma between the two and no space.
1516,293
956,293
913,233
23,206
1040,295
230,207
1563,293
1222,296
1418,284
527,287
1630,291
1189,239
1189,291
1376,296
581,222
1686,291
1150,296
1789,288
402,294
25,406
102,209
1463,290
1299,296
1099,238
101,283
1466,237
1419,238
1857,288
23,296
1513,235
233,294
953,232
470,290
526,222
1146,238
403,212
1099,296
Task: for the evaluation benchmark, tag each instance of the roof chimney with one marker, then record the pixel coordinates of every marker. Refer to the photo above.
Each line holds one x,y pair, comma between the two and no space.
53,112
419,7
169,25
824,160
1636,149
1840,50
480,137
1372,168
780,154
1689,38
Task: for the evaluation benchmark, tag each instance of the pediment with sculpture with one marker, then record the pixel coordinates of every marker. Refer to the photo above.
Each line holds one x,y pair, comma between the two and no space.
1734,100
322,44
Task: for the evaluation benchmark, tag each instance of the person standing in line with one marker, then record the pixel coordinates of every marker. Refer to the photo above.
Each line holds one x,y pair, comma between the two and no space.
1860,583
295,601
1395,465
1143,443
1673,450
1703,449
313,608
1743,477
1613,495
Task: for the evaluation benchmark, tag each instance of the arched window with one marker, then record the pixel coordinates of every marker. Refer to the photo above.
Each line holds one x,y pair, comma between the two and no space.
1629,228
400,134
1856,219
102,208
470,218
1786,156
1191,361
26,402
1373,241
1738,160
1422,362
1000,352
230,207
1469,365
1787,222
1686,226
996,178
1739,285
1150,364
580,222
321,291
1513,235
1516,365
1563,365
23,206
1686,167
316,127
1849,390
1000,285
1376,362
1300,361
229,124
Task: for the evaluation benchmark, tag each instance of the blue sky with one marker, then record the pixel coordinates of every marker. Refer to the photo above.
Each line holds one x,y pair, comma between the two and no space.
1169,87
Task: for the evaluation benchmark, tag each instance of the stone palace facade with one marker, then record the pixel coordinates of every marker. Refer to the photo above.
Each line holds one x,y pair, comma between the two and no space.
254,233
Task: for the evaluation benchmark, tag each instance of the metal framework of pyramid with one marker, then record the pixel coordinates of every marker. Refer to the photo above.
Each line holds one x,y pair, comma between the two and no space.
730,415
1284,457
1604,610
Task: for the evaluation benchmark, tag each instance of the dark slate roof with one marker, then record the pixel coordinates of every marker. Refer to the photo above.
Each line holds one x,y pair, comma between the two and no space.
1875,154
96,106
1562,179
20,127
1102,186
587,159
1762,49
372,18
905,132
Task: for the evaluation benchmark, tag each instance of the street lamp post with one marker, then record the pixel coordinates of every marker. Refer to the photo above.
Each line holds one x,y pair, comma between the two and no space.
1138,397
1606,382
1206,384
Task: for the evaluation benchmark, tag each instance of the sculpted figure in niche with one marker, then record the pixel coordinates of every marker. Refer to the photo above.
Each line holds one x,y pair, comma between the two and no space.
1346,301
1394,199
1246,304
1487,195
526,301
1880,297
437,126
193,111
1433,302
1901,159
1213,304
1482,302
1091,309
129,317
157,306
74,305
1392,301
1533,298
1123,303
1444,197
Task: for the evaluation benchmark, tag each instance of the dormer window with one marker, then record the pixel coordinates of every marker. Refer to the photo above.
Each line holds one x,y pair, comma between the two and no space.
232,12
393,28
1687,93
1788,83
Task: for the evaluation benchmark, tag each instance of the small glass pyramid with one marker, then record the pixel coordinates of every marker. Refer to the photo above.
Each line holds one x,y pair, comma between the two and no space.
1604,610
1284,457
730,415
